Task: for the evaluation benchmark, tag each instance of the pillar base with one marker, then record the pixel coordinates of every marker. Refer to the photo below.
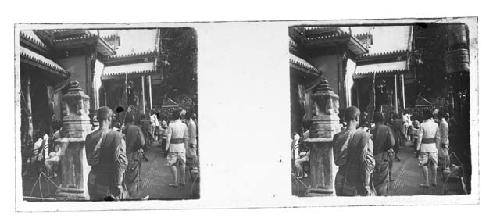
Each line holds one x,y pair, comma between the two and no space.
313,192
71,194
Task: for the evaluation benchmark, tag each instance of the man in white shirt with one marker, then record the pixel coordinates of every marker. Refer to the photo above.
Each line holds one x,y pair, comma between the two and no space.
192,152
443,149
428,140
177,142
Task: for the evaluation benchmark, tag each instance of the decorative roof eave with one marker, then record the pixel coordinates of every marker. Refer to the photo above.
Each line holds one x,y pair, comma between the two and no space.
33,41
87,39
383,56
356,47
386,53
382,69
104,48
384,73
353,44
303,67
120,71
37,60
129,75
112,59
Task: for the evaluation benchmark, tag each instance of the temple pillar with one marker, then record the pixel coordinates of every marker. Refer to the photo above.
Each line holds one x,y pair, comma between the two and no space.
76,126
143,98
150,93
403,91
396,106
325,124
29,115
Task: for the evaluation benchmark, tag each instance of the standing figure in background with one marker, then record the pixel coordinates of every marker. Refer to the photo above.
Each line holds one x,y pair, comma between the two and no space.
353,153
192,152
444,145
105,150
414,131
398,129
163,135
146,130
383,142
154,126
135,143
302,155
406,124
428,139
177,142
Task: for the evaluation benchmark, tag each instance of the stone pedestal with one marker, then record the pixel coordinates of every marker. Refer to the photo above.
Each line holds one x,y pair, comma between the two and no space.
76,126
325,124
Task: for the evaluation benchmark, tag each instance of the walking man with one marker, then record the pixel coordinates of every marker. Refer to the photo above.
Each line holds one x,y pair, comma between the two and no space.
177,142
383,143
399,136
135,143
444,145
105,150
428,139
192,153
353,153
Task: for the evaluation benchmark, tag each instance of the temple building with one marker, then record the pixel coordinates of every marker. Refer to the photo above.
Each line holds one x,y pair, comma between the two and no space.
114,67
321,52
367,67
129,75
40,79
67,74
382,77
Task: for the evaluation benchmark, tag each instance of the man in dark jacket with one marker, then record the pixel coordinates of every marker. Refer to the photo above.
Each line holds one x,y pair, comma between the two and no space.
383,143
135,143
105,150
353,153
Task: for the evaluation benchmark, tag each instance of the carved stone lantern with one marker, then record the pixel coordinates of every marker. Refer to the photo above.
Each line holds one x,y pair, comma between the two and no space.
76,126
325,124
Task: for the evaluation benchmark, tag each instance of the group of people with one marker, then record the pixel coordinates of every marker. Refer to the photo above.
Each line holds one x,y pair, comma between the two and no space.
115,154
365,156
364,151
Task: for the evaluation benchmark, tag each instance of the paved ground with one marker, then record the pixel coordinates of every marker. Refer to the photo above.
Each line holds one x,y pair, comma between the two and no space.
156,177
406,175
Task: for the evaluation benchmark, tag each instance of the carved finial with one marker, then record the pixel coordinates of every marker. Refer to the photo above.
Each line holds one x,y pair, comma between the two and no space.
322,86
74,84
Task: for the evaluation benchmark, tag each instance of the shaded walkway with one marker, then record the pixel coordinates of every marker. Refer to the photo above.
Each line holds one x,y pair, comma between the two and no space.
155,177
407,176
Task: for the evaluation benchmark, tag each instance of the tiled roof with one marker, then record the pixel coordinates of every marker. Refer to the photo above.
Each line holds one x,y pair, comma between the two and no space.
136,68
132,54
380,68
33,38
102,46
330,35
303,65
393,52
41,60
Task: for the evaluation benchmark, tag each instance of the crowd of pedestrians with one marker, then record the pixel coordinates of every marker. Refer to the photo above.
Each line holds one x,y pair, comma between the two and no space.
365,150
116,148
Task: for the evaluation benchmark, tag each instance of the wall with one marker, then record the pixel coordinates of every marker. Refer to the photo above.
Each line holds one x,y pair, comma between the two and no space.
331,66
79,70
